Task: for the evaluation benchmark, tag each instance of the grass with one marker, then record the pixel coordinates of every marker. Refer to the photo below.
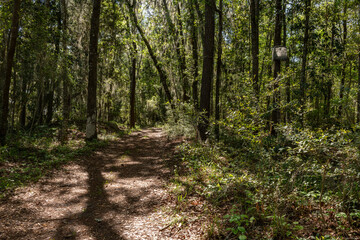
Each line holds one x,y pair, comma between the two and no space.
298,185
28,157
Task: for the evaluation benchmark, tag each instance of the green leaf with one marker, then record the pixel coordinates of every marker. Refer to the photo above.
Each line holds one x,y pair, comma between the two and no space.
242,237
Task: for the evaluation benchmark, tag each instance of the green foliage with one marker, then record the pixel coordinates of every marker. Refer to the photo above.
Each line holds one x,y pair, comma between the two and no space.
30,157
182,121
272,183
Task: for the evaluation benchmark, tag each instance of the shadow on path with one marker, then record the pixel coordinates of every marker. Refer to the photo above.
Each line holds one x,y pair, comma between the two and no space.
122,183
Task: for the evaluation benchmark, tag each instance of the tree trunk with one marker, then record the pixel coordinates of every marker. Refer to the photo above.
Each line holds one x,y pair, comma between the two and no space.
328,84
208,68
132,85
9,65
195,54
14,97
23,102
287,65
50,106
304,60
275,116
158,66
342,84
91,132
218,73
358,93
65,78
254,12
6,40
182,60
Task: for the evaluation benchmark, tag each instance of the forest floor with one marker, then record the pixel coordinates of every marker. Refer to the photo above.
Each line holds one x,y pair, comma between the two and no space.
118,192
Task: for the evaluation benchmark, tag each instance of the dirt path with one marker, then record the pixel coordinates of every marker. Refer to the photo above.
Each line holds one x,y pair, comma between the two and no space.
114,194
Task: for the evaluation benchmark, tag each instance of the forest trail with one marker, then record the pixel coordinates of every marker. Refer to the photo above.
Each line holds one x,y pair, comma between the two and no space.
116,193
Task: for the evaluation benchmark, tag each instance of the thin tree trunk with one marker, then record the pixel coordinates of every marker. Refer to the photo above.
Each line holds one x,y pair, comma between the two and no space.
275,116
178,37
287,65
328,84
91,132
218,73
195,54
304,60
208,68
185,80
23,102
14,97
343,77
132,86
158,66
53,84
9,65
358,93
201,17
65,79
254,12
6,40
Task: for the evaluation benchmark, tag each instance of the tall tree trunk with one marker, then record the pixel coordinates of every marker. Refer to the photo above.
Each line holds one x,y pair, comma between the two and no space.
254,12
275,116
9,65
358,93
328,84
6,40
132,85
14,97
65,78
208,68
158,66
287,65
178,37
218,73
50,96
342,84
184,77
91,132
23,102
195,54
304,60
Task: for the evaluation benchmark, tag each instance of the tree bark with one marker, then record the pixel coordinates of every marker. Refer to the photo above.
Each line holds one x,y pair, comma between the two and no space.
22,119
208,68
91,132
178,37
329,83
343,77
132,86
50,95
254,12
182,60
304,60
358,93
218,72
9,65
65,78
158,66
275,116
195,54
287,65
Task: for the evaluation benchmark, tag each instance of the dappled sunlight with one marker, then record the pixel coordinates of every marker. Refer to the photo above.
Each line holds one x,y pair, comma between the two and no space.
109,195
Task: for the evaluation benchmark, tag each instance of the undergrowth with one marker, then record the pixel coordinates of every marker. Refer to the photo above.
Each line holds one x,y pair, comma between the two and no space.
30,155
301,184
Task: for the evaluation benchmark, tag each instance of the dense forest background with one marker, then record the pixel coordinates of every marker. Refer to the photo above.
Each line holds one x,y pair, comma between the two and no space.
205,70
